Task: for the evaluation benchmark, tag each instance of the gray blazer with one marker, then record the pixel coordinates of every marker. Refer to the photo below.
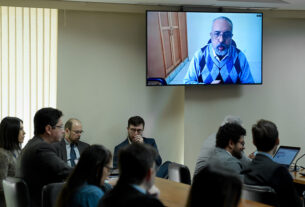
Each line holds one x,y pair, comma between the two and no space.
223,158
61,150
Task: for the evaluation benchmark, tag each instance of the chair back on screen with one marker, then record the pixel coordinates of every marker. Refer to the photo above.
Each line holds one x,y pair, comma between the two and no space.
179,173
262,194
50,193
16,192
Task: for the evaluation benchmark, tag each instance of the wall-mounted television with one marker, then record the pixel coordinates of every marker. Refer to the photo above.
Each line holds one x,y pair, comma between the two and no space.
203,48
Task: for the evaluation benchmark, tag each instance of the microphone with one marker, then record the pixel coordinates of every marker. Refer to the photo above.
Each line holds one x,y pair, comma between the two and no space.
295,165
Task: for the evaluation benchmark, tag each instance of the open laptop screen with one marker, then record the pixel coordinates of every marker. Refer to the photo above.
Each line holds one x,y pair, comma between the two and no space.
285,155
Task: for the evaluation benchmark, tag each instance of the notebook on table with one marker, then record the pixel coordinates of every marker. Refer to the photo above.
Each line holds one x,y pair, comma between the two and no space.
285,155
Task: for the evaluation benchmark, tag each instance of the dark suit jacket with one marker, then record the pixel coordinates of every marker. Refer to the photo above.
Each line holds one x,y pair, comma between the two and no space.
124,195
264,171
61,149
149,141
39,165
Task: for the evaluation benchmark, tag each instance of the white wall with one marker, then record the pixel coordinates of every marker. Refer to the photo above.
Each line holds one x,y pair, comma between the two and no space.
280,99
101,72
101,81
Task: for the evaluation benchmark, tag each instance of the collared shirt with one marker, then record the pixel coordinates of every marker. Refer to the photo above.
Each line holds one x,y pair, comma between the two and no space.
215,56
266,154
205,67
68,149
138,188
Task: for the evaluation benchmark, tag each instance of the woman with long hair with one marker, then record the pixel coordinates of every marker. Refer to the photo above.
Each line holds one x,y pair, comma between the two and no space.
86,184
215,186
11,137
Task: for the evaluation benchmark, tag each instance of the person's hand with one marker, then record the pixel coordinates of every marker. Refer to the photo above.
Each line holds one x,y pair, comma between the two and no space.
138,139
154,191
252,155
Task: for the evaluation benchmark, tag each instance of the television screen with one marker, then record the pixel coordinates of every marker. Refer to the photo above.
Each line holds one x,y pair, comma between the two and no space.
203,48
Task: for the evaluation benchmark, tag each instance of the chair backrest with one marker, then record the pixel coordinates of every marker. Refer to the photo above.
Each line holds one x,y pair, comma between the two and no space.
179,173
50,193
262,194
16,192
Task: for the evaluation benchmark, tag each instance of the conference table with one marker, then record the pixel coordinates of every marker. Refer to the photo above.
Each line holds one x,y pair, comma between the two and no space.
298,178
174,194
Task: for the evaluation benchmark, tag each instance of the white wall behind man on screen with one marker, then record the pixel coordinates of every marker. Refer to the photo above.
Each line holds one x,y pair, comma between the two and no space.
247,33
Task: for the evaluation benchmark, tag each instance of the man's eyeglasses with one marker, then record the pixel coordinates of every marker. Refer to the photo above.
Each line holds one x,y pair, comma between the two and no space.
242,143
78,131
225,35
60,127
136,130
110,169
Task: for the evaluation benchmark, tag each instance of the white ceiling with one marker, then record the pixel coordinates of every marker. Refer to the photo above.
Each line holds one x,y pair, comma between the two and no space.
261,4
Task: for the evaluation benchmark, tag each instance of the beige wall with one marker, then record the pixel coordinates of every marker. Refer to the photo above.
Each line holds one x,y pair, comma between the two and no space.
280,99
101,71
101,81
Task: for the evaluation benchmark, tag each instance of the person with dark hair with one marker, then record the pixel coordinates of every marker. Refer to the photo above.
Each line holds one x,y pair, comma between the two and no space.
86,184
11,137
208,146
135,130
220,61
230,144
264,171
70,148
137,173
215,186
38,163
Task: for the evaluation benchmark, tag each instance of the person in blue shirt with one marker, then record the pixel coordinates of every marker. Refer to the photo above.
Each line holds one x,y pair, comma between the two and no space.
86,184
220,61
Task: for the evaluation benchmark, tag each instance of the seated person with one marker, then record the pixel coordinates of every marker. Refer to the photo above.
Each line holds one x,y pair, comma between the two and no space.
38,163
11,138
86,184
229,147
135,130
264,171
215,186
70,148
208,146
137,172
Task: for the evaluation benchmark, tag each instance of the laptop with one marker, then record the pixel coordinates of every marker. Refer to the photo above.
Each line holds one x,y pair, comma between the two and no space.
285,155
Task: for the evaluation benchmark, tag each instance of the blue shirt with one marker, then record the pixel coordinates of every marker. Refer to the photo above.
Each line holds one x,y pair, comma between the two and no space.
87,196
205,67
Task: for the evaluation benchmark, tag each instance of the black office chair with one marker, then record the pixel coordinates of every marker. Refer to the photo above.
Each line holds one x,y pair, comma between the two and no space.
16,192
179,173
262,194
50,193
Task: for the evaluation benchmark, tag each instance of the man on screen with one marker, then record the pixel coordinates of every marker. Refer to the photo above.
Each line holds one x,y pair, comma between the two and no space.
220,61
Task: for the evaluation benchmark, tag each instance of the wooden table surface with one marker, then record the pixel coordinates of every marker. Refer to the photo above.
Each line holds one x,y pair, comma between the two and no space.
173,194
298,178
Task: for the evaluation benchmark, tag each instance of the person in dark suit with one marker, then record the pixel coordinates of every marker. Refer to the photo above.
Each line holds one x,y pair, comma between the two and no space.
135,130
70,148
38,163
137,173
264,171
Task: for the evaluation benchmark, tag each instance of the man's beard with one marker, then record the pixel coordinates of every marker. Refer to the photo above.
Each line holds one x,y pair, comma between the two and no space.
237,154
222,52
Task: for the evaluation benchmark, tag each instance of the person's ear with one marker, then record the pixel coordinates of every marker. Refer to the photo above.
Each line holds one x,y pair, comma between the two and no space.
211,35
149,175
48,129
277,141
231,144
